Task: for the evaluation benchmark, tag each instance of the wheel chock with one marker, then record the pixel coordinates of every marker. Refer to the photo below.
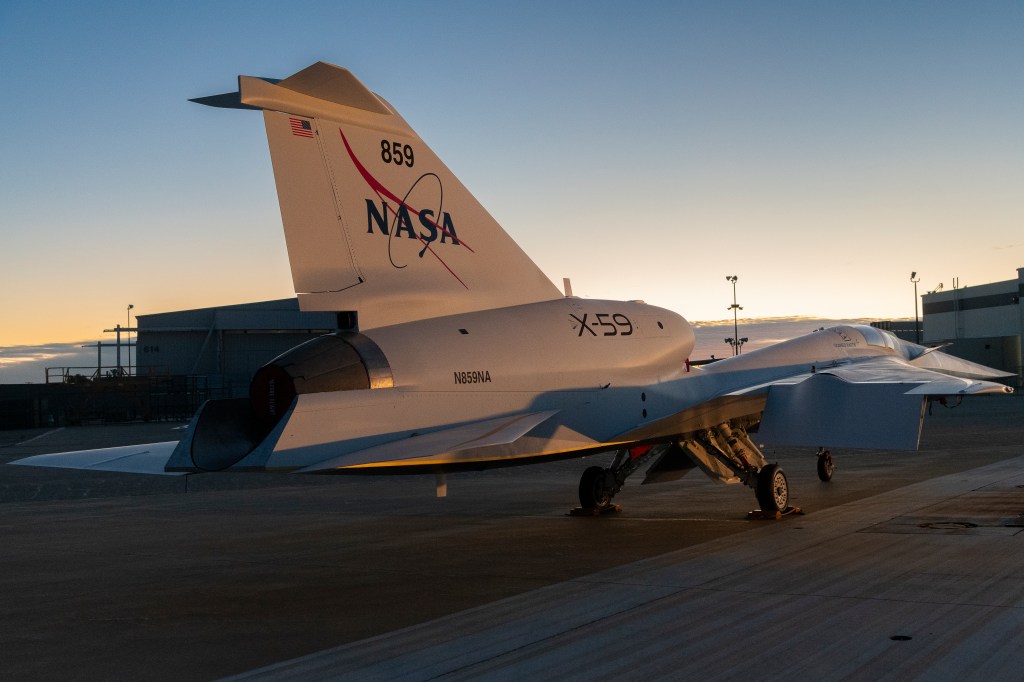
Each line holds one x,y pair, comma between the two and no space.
593,511
760,515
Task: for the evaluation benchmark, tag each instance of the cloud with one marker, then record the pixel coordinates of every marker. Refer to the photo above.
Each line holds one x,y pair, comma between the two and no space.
28,364
798,319
18,354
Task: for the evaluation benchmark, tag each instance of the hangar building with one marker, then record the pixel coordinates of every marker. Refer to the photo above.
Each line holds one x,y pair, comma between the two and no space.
225,345
983,323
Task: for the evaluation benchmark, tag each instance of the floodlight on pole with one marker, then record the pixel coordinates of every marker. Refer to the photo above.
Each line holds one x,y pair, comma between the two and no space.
130,306
735,307
917,324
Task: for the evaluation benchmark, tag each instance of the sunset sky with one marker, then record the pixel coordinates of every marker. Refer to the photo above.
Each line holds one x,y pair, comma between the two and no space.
821,151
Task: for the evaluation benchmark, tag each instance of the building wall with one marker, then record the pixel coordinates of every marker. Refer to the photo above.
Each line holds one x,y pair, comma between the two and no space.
972,312
908,330
983,323
225,345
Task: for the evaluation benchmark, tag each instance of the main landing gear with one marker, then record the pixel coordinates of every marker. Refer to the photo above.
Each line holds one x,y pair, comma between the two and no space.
599,485
724,452
772,489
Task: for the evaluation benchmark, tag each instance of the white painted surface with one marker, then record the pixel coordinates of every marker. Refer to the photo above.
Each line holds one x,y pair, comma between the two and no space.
132,459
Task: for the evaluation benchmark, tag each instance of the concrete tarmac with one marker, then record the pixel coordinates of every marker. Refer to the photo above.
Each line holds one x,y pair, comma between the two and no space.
115,575
853,592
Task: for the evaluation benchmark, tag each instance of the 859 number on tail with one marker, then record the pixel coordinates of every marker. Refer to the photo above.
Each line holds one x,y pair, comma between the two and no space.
396,153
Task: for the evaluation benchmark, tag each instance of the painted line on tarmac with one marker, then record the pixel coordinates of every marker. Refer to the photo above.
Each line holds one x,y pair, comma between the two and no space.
41,435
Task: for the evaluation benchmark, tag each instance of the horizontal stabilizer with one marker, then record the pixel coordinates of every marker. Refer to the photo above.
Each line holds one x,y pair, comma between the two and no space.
317,86
330,83
130,459
227,100
443,444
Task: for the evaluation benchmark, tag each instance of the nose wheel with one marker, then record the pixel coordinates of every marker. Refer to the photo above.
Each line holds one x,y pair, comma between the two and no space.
825,464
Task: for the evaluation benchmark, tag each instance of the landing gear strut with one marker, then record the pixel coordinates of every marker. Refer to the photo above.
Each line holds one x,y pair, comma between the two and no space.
726,453
599,485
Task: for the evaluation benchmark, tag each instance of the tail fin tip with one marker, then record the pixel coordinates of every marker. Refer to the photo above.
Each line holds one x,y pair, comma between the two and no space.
336,85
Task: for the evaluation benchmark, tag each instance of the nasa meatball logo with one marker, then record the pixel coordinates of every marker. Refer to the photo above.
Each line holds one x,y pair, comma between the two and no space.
417,215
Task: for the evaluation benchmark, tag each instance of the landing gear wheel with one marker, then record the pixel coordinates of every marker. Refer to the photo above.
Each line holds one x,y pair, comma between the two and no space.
825,466
772,489
595,493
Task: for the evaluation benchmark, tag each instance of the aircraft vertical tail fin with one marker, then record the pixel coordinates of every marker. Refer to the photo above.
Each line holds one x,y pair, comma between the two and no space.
373,220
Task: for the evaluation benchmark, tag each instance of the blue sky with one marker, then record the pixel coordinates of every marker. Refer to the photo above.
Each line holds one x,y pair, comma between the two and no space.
820,151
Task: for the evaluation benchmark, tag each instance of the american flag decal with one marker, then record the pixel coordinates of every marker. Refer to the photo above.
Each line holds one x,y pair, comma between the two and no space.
301,128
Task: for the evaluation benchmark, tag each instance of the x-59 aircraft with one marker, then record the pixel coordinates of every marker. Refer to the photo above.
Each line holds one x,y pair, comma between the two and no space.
455,352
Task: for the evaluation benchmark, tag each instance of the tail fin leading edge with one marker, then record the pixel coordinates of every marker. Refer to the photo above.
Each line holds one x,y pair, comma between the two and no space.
373,220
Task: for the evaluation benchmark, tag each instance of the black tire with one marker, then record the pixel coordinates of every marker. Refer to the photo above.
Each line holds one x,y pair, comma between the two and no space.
594,491
772,489
825,467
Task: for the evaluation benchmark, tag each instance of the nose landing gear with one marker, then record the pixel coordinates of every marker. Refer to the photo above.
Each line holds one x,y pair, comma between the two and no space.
825,464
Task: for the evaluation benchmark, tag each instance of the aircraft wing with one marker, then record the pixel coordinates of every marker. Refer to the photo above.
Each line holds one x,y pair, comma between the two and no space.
875,403
890,370
501,437
132,459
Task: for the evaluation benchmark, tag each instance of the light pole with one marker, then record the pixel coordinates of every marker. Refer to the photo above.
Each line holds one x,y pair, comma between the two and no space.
735,341
917,324
130,306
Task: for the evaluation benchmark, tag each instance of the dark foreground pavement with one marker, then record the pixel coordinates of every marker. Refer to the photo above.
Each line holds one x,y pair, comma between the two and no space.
115,576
